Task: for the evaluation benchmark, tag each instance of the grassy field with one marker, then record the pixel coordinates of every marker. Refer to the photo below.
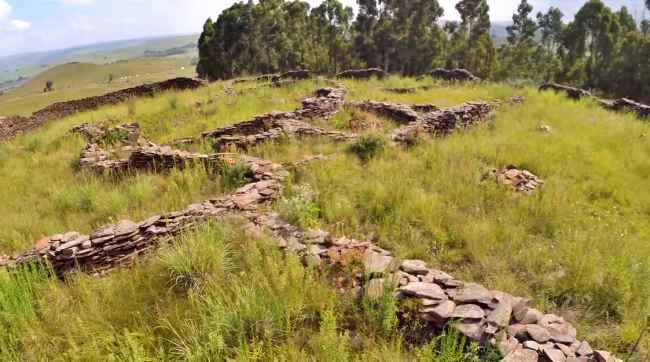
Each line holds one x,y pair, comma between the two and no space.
30,64
579,246
78,80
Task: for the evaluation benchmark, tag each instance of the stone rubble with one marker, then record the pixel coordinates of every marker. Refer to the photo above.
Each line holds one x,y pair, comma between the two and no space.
519,180
362,73
619,105
454,75
325,104
443,122
118,245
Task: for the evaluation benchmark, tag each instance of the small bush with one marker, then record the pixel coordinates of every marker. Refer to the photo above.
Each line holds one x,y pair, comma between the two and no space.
368,146
234,175
300,207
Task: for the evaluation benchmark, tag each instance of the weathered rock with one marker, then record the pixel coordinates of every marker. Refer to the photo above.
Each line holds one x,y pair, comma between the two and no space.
440,313
468,311
532,345
538,333
473,293
454,74
415,267
584,349
521,355
559,329
424,290
519,180
554,355
603,356
376,263
471,328
362,73
526,315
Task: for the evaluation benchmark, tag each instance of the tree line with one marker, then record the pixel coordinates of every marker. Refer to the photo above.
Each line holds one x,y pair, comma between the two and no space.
600,48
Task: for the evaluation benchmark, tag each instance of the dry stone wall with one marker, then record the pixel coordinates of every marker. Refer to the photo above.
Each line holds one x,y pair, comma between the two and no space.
435,298
361,73
120,244
10,127
454,74
620,105
443,122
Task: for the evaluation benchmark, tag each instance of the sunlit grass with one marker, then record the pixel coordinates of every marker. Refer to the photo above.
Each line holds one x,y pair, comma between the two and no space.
579,246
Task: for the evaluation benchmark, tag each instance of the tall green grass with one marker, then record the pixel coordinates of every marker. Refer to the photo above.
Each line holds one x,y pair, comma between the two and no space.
579,246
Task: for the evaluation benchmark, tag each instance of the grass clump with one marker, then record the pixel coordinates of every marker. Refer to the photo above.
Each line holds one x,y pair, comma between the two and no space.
368,146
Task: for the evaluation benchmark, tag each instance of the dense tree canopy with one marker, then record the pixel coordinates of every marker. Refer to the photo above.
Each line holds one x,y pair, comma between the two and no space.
601,48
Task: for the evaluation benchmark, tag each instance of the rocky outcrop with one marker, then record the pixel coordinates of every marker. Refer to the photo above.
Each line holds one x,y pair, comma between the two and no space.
361,73
620,105
454,75
443,122
13,126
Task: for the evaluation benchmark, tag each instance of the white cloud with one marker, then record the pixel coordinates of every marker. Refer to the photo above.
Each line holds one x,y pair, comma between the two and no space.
77,2
5,9
19,25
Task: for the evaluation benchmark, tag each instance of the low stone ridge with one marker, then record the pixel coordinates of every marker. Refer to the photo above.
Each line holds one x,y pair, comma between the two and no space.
487,316
454,74
298,74
443,122
325,104
571,92
400,113
519,180
361,73
620,105
270,130
13,126
118,245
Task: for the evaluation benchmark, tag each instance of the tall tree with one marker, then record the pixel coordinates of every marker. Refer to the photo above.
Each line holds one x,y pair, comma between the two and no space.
477,53
592,39
332,24
551,28
626,20
523,27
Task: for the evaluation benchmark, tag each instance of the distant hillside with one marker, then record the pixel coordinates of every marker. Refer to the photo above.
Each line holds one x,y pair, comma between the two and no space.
78,80
15,67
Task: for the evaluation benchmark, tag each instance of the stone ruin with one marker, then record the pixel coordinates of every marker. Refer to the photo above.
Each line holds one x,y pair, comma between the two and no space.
454,75
620,105
436,299
326,103
361,73
440,122
299,74
519,180
13,126
571,92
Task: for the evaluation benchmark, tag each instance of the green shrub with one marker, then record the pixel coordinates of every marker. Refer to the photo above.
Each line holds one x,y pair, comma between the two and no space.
368,146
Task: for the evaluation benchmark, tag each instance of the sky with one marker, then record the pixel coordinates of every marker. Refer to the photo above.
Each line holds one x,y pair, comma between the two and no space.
37,25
